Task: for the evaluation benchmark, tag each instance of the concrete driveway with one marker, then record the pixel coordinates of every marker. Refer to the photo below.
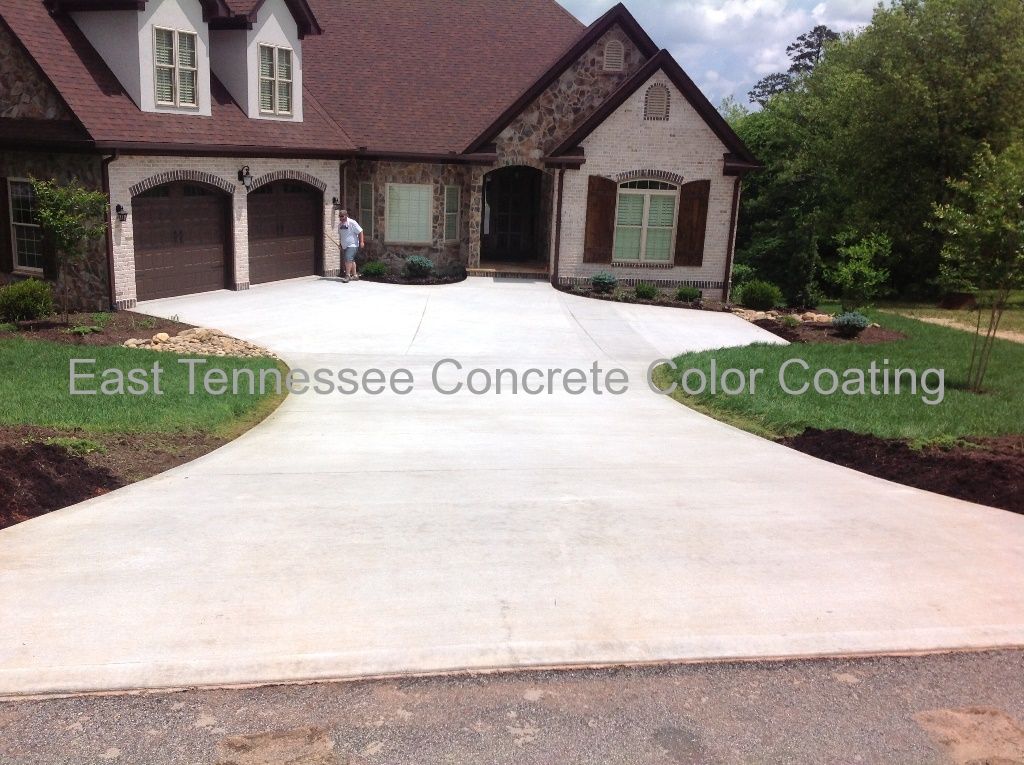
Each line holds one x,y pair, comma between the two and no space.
365,535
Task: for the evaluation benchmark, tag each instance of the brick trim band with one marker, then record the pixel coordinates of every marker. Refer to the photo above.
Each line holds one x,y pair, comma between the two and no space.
289,175
632,281
651,175
198,176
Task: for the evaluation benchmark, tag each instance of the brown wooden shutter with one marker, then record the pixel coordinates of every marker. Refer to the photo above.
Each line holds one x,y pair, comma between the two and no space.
6,253
693,220
600,235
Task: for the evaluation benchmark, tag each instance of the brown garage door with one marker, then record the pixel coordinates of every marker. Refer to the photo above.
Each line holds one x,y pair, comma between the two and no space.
284,231
181,240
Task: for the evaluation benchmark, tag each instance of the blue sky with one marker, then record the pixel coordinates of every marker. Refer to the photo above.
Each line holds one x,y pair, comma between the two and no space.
728,45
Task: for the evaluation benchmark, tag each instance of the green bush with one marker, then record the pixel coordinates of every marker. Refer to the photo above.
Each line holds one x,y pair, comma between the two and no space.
850,324
375,269
687,294
759,295
741,274
858,276
790,321
603,281
418,266
26,300
646,291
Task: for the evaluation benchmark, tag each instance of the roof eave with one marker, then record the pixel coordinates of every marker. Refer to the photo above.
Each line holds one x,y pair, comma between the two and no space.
663,61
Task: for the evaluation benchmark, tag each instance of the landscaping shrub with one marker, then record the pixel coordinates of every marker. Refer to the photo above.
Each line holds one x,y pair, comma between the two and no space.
741,274
26,300
375,269
455,271
646,291
850,324
790,321
858,275
603,281
687,294
418,267
759,295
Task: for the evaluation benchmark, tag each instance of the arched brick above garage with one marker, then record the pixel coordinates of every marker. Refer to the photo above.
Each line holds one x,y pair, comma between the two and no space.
289,175
171,176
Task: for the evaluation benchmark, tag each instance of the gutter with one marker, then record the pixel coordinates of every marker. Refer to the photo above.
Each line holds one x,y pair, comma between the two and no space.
105,168
732,238
558,227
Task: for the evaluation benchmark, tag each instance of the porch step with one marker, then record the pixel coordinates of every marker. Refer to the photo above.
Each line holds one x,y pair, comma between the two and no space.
509,271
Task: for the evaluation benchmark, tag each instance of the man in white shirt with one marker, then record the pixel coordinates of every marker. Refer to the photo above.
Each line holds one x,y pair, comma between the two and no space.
350,236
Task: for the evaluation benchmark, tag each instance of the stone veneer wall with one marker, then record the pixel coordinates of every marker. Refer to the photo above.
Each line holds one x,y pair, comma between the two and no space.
24,92
128,171
683,145
89,286
566,103
444,254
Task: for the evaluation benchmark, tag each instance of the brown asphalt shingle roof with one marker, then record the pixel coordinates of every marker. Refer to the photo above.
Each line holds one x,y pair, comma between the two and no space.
395,76
428,75
110,116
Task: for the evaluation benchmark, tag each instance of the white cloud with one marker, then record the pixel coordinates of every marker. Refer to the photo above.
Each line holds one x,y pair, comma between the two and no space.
727,45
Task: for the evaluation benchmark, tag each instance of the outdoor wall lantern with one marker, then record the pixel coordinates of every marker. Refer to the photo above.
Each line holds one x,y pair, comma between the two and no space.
122,214
245,177
336,202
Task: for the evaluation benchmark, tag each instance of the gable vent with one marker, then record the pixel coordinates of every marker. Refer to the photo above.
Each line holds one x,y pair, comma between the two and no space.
656,103
614,56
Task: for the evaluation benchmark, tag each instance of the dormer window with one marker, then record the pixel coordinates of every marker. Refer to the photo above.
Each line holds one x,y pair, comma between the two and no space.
177,68
275,80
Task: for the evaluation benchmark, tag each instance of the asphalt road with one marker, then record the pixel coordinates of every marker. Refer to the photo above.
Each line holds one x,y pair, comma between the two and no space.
952,708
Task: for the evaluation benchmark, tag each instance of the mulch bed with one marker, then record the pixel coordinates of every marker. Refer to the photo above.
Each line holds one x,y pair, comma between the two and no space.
988,471
813,332
36,478
429,280
120,326
665,302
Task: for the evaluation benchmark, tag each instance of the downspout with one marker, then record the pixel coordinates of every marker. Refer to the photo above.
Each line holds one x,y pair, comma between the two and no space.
105,174
558,226
732,238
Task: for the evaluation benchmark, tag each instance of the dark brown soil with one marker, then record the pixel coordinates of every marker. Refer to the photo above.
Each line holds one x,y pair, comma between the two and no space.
36,478
628,297
429,280
987,471
812,332
114,328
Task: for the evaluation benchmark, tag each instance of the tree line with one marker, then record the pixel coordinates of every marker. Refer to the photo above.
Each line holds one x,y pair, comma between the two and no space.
867,143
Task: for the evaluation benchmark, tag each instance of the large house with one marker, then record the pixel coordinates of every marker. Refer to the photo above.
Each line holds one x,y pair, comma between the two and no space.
487,134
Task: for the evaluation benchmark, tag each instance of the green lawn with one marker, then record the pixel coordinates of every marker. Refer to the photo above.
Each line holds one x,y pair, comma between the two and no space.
34,390
772,412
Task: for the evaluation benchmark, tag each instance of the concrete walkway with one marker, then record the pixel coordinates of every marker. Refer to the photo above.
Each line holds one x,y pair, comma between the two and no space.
362,535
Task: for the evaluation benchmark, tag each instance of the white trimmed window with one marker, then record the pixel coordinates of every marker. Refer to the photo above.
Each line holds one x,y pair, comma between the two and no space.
366,208
614,56
409,213
645,222
176,75
452,204
656,103
275,80
26,233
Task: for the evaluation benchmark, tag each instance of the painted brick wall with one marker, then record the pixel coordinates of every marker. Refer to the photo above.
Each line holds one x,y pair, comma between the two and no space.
128,171
683,145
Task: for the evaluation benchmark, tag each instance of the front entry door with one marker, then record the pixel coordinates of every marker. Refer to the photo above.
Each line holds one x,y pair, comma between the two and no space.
512,197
